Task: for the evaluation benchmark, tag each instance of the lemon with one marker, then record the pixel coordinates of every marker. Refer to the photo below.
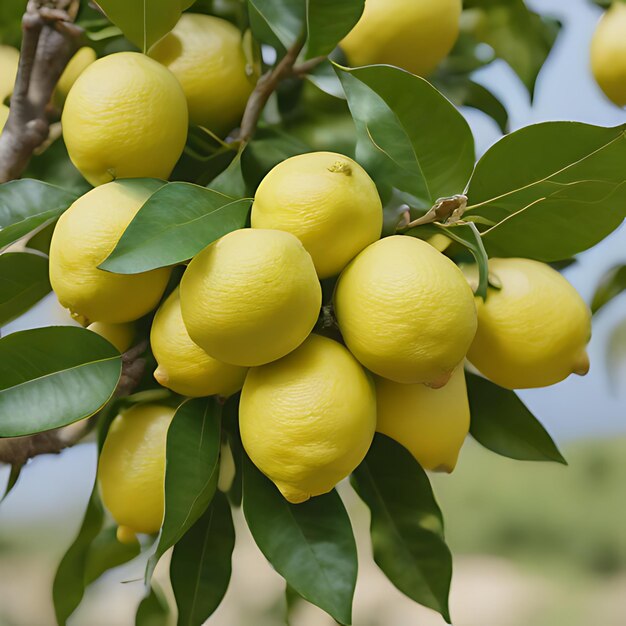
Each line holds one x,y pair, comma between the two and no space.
412,34
83,238
131,469
251,297
326,200
183,366
125,117
608,53
308,419
84,57
4,115
120,335
206,54
534,330
430,423
9,59
406,311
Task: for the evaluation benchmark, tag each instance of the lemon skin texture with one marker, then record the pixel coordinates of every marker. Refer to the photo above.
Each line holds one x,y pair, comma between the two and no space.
308,419
125,117
534,330
131,469
206,54
251,297
83,238
325,199
608,54
183,366
431,424
412,34
119,335
406,311
9,59
84,57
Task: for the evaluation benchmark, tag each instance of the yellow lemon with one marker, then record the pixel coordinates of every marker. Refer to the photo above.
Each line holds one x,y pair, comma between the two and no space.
84,57
9,59
430,423
412,34
608,53
534,330
308,419
125,117
120,335
4,115
83,238
326,200
131,469
406,311
206,54
183,366
251,297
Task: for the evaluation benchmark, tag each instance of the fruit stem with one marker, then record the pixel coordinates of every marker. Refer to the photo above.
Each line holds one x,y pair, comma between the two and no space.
446,210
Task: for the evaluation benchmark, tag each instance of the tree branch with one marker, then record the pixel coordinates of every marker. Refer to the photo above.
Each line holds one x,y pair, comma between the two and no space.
49,38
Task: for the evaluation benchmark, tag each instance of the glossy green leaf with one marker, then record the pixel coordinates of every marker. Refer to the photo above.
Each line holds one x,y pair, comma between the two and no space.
14,475
611,285
191,471
501,422
51,377
201,563
310,544
406,524
231,181
553,190
153,610
277,21
106,552
141,22
23,282
26,204
174,224
42,238
409,135
328,22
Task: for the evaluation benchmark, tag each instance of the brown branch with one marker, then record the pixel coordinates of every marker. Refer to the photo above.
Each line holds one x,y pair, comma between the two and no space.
49,38
304,68
265,87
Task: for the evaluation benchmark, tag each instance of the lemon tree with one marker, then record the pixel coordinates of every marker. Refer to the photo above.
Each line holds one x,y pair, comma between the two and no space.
288,277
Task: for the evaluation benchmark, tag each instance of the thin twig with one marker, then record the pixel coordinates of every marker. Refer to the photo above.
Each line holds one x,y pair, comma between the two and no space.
49,38
307,66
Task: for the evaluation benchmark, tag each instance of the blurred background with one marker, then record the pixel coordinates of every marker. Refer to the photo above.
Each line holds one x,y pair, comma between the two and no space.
534,544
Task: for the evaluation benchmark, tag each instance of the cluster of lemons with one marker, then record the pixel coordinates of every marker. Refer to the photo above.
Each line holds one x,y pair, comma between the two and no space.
245,317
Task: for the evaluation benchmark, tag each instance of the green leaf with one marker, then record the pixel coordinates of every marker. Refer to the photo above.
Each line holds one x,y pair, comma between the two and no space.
153,610
26,204
106,552
40,241
409,135
611,285
142,22
501,423
14,475
51,377
174,224
406,524
23,282
328,22
552,190
231,181
191,471
201,563
277,22
310,544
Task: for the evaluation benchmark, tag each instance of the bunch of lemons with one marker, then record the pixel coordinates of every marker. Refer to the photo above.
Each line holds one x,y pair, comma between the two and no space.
245,317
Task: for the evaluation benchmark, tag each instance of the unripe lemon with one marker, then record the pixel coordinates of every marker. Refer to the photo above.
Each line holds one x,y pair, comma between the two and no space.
83,238
9,60
406,311
120,335
608,53
84,57
412,34
326,200
125,117
431,424
183,366
251,297
308,419
131,469
206,54
534,330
